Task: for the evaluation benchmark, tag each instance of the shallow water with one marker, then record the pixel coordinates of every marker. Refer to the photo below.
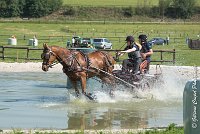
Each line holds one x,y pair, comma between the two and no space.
41,100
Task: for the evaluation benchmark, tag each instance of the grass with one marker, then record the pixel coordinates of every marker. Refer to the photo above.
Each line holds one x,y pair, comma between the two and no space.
58,34
110,2
114,2
171,129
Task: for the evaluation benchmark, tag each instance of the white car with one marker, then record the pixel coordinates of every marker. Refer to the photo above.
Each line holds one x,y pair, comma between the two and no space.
102,43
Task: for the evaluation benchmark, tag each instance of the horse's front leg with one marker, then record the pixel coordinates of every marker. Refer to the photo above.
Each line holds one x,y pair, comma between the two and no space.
83,84
74,83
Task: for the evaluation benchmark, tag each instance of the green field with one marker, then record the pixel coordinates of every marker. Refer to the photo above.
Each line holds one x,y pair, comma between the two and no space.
110,2
58,34
119,3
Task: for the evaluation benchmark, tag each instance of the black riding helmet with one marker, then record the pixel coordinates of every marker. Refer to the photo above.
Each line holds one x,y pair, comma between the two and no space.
143,37
130,38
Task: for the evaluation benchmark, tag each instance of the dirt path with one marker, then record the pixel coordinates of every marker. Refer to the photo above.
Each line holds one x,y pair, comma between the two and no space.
187,71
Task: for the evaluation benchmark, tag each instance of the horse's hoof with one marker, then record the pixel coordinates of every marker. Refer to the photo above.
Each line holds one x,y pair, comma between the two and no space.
77,94
90,96
112,95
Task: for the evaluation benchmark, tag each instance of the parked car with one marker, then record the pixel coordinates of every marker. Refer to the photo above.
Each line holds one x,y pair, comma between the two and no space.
102,43
157,41
87,42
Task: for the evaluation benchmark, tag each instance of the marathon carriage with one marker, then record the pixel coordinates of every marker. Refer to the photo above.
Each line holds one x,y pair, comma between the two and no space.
141,81
134,74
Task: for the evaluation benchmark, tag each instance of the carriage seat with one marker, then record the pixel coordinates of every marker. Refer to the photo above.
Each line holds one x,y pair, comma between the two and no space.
143,67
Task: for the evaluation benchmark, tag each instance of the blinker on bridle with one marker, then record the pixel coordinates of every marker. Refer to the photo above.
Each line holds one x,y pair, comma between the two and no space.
46,56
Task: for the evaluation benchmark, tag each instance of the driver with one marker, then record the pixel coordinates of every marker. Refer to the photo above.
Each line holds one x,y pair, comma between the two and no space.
134,58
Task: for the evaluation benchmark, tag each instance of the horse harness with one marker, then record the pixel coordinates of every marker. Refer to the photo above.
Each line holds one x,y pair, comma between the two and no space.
75,66
71,63
107,61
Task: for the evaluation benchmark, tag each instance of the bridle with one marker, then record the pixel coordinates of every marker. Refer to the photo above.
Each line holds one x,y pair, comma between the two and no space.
46,56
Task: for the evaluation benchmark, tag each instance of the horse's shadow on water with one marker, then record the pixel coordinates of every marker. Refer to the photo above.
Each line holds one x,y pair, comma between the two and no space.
70,93
43,99
53,99
51,86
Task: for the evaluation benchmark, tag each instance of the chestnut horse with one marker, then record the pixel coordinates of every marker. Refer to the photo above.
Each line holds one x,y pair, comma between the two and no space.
79,66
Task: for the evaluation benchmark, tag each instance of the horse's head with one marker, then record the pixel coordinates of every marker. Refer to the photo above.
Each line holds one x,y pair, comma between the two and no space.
48,57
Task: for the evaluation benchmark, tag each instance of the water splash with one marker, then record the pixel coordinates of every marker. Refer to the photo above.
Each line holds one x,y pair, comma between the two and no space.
174,80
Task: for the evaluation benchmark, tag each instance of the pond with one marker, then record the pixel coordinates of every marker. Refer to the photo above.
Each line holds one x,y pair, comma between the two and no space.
41,100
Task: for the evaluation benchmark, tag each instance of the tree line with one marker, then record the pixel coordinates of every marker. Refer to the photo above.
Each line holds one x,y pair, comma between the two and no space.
176,9
183,9
28,8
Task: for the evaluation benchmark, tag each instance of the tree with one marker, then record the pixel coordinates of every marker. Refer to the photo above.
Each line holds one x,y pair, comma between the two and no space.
13,8
10,8
54,5
163,5
3,6
39,8
181,8
21,5
28,8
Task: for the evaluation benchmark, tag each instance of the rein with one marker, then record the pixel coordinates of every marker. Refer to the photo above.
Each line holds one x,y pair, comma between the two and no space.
53,64
128,84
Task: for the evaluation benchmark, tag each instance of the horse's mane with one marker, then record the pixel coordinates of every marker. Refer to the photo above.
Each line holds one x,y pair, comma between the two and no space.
59,48
56,46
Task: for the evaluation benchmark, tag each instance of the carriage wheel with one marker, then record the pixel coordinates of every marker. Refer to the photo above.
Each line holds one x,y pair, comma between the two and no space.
144,86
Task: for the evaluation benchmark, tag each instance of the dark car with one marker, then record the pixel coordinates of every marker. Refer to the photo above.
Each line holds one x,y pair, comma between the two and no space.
157,41
86,42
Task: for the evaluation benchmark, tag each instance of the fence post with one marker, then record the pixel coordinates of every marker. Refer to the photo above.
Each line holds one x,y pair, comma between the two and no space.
3,57
161,56
3,54
27,54
174,55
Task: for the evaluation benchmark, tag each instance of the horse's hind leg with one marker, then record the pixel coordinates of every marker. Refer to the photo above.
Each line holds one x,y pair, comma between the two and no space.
109,81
